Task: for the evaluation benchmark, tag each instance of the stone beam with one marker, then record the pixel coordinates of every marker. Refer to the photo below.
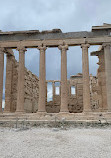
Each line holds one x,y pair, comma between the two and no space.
46,36
95,53
51,34
55,42
53,81
104,27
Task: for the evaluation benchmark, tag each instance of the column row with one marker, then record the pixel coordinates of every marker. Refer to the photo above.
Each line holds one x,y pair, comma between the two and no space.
64,87
42,78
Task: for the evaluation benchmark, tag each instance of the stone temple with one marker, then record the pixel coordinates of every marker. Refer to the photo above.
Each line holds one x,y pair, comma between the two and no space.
82,95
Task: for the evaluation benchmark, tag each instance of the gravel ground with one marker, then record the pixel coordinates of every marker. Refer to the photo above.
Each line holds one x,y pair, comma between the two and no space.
55,143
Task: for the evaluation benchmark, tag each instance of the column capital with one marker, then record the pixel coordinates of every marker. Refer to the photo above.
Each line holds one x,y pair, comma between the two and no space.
21,49
2,49
63,47
8,55
9,52
106,44
42,47
85,46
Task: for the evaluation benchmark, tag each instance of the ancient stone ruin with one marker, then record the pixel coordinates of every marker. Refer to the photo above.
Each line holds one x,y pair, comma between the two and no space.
25,92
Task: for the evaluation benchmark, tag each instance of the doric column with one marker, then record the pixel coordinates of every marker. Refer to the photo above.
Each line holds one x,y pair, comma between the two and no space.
107,56
42,80
21,80
1,75
64,87
85,71
8,83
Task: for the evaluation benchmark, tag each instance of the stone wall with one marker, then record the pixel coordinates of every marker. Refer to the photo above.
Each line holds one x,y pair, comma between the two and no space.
11,84
31,87
31,92
76,100
99,89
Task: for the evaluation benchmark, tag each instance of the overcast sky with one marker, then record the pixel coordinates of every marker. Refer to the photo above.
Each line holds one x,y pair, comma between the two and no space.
68,15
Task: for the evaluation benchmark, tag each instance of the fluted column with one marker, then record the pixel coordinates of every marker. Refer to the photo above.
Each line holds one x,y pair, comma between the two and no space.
64,86
42,80
86,85
21,80
8,84
107,56
1,75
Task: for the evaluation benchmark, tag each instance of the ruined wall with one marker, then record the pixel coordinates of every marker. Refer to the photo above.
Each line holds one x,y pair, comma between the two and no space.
31,88
11,84
54,105
75,100
99,89
95,103
31,92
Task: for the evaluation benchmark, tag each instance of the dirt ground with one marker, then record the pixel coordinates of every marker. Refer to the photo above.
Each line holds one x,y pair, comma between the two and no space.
55,143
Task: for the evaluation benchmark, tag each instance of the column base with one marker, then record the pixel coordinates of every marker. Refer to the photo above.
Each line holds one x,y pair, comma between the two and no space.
20,111
41,112
87,111
108,111
1,109
6,111
64,111
104,110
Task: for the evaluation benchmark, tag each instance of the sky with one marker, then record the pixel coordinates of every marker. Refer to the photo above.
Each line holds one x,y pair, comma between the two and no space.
67,15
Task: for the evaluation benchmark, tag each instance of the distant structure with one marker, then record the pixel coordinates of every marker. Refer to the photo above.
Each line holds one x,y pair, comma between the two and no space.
83,93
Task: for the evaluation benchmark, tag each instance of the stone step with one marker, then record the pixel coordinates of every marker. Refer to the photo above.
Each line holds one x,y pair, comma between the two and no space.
45,123
53,118
35,116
